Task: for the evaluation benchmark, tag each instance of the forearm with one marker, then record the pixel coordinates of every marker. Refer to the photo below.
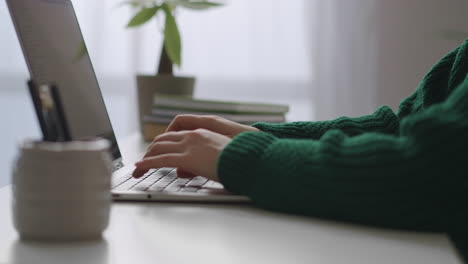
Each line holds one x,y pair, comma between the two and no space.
415,181
383,120
407,174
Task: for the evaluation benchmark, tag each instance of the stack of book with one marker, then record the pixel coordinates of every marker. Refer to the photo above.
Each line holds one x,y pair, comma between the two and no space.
166,108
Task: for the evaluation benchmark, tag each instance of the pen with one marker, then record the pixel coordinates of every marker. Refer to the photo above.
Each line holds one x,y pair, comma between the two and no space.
38,108
61,123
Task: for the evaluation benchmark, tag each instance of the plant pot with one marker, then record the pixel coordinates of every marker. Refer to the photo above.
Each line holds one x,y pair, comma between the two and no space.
150,85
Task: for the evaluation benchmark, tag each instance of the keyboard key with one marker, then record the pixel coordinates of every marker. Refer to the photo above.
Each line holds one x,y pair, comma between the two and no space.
176,185
119,181
197,181
172,175
165,180
117,167
155,189
214,185
173,188
143,185
127,184
161,173
161,184
156,176
149,173
165,170
140,188
182,181
149,180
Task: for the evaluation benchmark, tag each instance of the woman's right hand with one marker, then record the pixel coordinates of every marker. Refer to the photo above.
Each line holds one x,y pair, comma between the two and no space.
209,122
215,124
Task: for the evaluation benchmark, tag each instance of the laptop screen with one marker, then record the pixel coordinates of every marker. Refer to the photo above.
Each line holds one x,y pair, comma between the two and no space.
54,50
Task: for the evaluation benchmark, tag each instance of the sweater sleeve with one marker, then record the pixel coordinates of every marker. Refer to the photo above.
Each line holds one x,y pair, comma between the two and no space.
384,120
416,179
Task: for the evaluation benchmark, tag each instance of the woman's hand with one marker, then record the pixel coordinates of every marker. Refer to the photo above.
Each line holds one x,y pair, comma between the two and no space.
193,153
201,125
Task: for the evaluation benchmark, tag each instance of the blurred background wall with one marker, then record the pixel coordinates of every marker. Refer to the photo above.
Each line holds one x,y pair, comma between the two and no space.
367,53
326,58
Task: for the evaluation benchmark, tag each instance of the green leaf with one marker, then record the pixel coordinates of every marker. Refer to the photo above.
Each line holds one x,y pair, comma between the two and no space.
172,42
172,4
199,5
143,16
130,3
137,3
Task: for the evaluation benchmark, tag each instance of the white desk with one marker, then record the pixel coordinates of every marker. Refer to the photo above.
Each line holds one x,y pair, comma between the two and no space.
143,233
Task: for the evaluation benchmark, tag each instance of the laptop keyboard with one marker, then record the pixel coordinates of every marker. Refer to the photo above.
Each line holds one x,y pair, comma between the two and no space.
166,180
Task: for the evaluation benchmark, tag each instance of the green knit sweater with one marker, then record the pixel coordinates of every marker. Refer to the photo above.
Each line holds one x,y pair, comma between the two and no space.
402,170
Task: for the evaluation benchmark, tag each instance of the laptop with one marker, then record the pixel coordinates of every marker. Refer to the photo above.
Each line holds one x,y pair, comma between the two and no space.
52,44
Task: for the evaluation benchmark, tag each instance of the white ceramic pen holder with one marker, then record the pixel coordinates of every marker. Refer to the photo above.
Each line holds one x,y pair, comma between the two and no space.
61,190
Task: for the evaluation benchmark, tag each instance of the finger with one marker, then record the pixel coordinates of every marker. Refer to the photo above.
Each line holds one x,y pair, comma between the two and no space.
160,148
184,122
137,173
184,174
192,122
165,160
156,149
170,136
153,149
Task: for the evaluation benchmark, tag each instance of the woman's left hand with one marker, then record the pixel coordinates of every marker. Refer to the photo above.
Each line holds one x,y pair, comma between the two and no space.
193,153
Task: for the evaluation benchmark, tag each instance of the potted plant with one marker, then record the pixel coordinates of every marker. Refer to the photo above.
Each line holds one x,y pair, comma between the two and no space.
164,82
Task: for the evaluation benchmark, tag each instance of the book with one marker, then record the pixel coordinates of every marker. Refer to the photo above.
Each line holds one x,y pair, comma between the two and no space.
184,103
165,115
166,108
151,130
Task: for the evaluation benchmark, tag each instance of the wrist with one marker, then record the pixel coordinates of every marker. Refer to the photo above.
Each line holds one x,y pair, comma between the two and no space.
241,159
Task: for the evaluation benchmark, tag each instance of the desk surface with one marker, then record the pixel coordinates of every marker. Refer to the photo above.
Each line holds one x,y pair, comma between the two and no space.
144,232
